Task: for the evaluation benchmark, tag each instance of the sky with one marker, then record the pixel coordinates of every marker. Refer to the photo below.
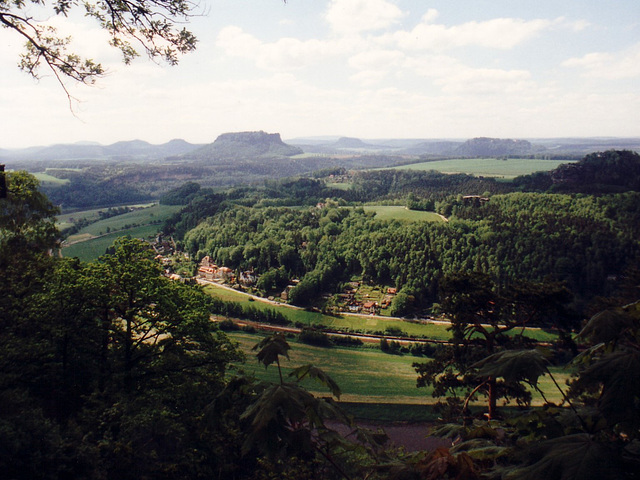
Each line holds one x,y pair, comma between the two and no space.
370,69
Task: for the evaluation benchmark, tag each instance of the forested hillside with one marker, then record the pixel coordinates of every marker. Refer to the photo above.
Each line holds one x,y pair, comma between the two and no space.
586,242
581,241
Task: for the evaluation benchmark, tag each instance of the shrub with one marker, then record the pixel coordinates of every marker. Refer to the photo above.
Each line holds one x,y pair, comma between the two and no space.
313,337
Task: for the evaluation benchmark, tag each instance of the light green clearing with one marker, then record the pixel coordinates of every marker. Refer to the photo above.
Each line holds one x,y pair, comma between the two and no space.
365,375
68,219
339,186
353,323
49,180
489,167
398,212
90,249
155,213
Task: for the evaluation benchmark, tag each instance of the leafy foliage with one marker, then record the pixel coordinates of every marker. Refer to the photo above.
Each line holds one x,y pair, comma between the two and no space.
152,25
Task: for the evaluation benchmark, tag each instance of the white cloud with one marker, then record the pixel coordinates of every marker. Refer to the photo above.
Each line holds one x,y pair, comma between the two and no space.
609,66
375,59
235,42
454,77
283,54
356,16
368,78
498,33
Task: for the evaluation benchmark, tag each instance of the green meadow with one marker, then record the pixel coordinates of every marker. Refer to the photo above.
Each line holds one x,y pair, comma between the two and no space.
398,212
91,248
92,241
49,180
365,375
489,167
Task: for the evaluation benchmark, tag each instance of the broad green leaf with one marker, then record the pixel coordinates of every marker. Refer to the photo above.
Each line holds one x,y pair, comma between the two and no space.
318,375
513,366
607,326
619,374
271,348
571,457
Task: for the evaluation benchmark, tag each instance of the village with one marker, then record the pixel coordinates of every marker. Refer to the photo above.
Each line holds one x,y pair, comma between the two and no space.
355,298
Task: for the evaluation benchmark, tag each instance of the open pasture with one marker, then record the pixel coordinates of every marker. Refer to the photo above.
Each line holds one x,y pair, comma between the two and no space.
92,241
365,375
488,167
156,214
92,247
47,180
399,212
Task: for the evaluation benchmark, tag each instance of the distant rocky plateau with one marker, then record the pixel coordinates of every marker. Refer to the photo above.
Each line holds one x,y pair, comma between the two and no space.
245,146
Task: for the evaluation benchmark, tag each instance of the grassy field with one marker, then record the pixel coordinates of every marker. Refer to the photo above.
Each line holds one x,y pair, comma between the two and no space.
91,248
489,167
399,212
68,219
92,241
365,375
352,323
47,180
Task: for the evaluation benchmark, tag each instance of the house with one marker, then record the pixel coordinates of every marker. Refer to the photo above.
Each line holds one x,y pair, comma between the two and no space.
225,274
369,307
386,301
475,200
247,278
207,269
284,296
392,291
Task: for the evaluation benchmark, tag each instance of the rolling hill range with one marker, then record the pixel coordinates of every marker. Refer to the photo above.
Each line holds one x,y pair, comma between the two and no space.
256,146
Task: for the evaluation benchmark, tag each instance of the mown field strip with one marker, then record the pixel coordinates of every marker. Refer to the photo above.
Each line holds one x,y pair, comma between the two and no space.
365,375
398,212
490,167
92,241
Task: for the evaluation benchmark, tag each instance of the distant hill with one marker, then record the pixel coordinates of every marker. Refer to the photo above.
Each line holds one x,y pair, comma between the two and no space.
432,148
493,147
356,144
245,146
128,150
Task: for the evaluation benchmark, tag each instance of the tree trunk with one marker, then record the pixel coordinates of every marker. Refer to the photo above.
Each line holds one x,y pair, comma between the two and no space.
492,398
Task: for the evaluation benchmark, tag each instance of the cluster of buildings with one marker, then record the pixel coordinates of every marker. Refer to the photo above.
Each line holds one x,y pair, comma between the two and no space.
354,305
208,270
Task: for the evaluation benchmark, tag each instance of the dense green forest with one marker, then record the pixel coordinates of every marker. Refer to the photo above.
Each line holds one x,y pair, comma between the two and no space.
109,370
305,229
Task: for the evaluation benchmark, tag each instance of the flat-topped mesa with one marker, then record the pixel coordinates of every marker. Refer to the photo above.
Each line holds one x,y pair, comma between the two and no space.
489,147
247,146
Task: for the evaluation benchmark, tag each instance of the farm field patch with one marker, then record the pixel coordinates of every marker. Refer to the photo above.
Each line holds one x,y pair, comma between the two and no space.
489,167
91,248
365,375
92,241
399,212
49,180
